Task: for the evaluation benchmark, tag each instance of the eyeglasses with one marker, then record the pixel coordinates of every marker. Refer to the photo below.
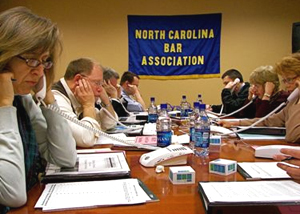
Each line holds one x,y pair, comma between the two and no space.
33,63
255,85
289,80
96,83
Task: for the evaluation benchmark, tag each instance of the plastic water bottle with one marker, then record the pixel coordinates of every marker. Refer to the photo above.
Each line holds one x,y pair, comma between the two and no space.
163,127
199,99
152,111
193,116
184,107
202,133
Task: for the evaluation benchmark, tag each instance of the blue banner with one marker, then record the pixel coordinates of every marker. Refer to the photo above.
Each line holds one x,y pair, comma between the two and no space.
175,47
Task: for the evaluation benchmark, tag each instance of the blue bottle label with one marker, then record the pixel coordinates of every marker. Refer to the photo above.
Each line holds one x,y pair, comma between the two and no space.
164,138
184,113
192,134
201,138
152,118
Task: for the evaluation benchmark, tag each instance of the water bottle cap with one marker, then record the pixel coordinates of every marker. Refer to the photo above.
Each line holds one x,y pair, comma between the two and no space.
183,96
199,95
152,99
163,106
202,106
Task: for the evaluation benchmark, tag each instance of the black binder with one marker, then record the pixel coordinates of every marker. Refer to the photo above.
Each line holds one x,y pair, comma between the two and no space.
257,207
56,174
278,131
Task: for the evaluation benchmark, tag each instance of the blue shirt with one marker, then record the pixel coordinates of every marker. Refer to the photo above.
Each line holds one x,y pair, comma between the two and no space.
132,105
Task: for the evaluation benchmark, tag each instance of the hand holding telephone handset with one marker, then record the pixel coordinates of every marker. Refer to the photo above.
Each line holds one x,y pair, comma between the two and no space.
6,88
230,85
233,84
295,94
236,81
41,89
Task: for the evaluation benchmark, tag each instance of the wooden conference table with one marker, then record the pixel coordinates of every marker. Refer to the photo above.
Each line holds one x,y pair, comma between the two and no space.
173,198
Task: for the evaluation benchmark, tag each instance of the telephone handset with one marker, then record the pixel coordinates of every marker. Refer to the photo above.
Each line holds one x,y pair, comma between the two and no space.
41,94
170,155
295,94
236,81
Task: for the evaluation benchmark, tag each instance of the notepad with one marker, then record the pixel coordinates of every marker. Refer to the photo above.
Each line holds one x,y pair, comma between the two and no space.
75,195
262,170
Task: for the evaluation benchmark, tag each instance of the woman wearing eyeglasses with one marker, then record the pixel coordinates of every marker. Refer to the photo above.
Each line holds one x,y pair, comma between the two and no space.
264,93
289,116
29,135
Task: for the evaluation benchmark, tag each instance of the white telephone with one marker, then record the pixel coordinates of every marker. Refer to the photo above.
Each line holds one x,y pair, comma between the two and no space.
236,81
170,155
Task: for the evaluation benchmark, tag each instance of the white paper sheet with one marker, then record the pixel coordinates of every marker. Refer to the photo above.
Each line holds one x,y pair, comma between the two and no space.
263,170
59,196
252,191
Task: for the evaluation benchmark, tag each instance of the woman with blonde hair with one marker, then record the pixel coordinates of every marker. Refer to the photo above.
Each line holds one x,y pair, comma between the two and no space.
264,92
289,116
30,135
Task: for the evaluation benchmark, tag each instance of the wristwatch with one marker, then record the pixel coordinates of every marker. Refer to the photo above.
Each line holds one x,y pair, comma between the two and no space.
105,105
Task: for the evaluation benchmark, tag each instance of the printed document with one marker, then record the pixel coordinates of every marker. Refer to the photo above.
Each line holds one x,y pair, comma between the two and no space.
72,195
93,163
251,191
262,170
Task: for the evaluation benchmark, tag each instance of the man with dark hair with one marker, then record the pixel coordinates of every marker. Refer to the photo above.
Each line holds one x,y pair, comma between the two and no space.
133,100
234,93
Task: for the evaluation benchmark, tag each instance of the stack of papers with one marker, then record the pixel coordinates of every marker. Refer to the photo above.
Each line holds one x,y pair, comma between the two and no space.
253,193
74,195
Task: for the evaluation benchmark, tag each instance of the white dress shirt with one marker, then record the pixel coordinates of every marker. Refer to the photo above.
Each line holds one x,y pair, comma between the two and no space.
83,137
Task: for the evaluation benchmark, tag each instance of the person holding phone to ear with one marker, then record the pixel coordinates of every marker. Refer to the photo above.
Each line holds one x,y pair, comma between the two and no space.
133,100
234,93
110,84
289,69
113,90
30,135
264,93
77,93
